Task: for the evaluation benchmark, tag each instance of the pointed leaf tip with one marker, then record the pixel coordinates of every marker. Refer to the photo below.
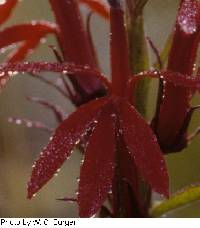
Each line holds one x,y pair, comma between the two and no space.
144,149
98,6
6,9
98,168
28,35
62,143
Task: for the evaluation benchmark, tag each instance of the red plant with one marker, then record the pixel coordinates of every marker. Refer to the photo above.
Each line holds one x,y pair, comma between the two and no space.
171,126
73,34
29,35
121,150
6,9
69,35
98,7
103,168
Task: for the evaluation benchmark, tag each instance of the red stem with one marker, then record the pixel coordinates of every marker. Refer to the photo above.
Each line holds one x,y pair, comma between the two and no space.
181,59
119,52
75,44
73,40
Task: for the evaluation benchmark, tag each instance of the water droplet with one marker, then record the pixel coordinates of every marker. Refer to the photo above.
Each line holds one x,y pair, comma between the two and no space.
86,67
93,216
15,72
10,119
65,72
29,124
2,2
78,179
82,161
194,67
18,121
113,115
43,40
33,23
77,142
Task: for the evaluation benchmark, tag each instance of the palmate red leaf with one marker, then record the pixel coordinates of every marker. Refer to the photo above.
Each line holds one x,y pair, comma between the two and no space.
98,167
144,149
6,9
98,6
63,141
29,36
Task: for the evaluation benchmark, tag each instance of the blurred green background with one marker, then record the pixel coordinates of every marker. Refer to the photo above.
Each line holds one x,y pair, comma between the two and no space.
20,146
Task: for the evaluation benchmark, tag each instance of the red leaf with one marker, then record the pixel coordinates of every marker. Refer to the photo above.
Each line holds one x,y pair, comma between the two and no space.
98,6
55,109
6,9
26,32
175,78
129,174
63,141
22,51
144,149
98,168
29,34
126,199
65,68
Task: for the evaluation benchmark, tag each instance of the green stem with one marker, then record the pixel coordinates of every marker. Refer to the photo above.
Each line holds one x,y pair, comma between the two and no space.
139,59
178,200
